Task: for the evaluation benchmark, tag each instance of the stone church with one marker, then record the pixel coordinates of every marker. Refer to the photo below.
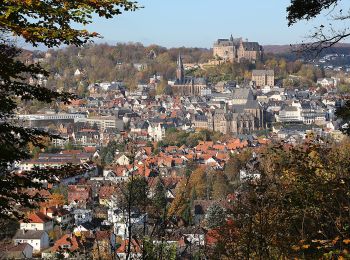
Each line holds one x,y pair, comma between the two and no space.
187,86
239,118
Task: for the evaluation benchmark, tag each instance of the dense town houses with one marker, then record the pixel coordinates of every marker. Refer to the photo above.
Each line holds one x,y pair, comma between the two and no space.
158,140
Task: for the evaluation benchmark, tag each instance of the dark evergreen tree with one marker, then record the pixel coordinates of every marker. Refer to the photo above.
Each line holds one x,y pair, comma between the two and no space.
215,216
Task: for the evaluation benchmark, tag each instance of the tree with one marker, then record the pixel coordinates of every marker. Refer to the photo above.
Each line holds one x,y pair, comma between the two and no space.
306,10
324,36
55,199
302,190
159,250
50,23
159,198
221,187
160,89
215,216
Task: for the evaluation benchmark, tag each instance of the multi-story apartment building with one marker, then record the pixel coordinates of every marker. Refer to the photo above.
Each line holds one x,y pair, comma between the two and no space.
263,78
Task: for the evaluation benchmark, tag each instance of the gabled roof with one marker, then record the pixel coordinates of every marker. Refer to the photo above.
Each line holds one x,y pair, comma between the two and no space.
37,217
29,234
135,246
69,240
58,211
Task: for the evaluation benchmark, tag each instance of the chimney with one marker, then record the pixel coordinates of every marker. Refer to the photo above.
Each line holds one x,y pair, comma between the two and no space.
44,210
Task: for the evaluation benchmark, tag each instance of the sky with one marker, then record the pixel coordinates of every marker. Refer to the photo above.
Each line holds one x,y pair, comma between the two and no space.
198,23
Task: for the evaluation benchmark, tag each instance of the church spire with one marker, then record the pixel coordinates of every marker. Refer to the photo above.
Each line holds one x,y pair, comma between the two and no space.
180,72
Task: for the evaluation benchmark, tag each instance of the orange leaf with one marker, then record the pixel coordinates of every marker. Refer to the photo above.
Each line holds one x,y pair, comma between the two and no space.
346,241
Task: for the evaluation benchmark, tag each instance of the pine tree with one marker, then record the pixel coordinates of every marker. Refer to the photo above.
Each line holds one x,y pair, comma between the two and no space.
215,216
159,199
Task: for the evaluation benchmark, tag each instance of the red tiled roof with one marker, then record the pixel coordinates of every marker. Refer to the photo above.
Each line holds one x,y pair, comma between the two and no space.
223,156
102,235
106,192
135,247
89,149
37,217
58,211
148,150
68,239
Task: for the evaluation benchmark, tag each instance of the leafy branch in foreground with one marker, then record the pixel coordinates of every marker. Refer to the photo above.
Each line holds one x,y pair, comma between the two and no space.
48,22
324,36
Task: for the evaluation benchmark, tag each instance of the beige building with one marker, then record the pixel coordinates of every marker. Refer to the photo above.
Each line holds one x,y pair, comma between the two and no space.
263,78
237,50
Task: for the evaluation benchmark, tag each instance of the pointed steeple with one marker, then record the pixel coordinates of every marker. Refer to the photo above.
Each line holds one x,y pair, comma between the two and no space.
180,72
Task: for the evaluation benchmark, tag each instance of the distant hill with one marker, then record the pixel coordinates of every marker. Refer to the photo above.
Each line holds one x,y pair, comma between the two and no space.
343,48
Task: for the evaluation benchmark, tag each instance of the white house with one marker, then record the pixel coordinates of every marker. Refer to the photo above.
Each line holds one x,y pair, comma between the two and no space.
82,216
38,239
122,160
77,73
289,114
60,215
120,221
156,132
37,221
327,82
244,175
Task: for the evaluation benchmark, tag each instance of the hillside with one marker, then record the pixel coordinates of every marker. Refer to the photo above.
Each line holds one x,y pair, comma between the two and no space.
341,48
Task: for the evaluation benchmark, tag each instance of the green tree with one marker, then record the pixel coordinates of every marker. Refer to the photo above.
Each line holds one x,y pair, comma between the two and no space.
159,250
215,216
51,22
159,198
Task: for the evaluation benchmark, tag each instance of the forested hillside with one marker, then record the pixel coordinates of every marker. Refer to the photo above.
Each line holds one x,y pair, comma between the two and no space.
123,62
74,68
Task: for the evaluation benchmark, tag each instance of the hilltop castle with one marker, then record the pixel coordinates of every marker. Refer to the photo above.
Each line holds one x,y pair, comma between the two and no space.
236,50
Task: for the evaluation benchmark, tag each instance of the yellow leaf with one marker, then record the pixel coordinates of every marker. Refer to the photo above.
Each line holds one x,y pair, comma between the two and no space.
296,248
346,241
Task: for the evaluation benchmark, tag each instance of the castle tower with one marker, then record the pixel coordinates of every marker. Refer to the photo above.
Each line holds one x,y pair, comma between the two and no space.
180,71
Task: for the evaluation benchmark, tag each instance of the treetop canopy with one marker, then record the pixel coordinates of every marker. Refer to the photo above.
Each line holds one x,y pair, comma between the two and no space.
50,22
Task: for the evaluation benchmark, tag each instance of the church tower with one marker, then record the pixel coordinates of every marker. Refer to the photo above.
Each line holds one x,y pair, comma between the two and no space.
180,71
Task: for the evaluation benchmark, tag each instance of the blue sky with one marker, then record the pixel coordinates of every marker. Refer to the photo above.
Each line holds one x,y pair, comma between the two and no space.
198,23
